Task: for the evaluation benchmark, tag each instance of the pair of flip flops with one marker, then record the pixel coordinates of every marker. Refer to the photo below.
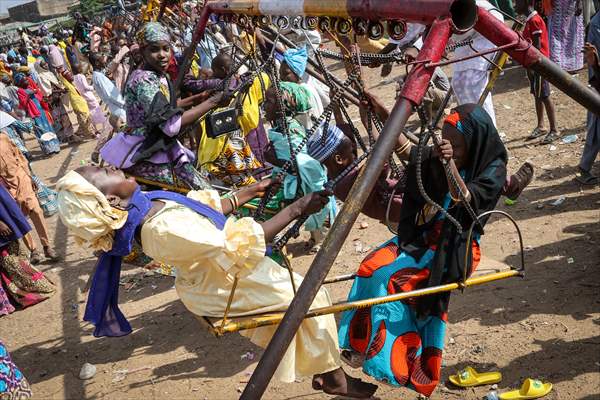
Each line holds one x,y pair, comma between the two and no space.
531,388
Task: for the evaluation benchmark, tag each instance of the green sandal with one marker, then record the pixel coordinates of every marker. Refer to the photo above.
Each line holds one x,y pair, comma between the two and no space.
536,133
550,137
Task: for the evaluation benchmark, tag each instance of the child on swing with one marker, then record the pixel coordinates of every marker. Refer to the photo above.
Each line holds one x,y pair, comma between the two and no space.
107,211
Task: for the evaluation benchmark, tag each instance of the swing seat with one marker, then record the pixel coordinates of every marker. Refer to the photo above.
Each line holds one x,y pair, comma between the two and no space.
488,271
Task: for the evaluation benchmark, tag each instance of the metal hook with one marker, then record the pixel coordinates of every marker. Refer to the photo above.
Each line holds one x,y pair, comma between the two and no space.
397,29
375,30
470,234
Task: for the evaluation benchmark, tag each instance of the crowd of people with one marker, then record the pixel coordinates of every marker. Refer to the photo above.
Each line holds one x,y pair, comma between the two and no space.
256,135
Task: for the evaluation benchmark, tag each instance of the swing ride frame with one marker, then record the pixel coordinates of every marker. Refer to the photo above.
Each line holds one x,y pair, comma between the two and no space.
444,17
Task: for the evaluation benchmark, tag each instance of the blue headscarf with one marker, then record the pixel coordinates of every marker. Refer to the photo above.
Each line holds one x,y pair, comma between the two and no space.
296,59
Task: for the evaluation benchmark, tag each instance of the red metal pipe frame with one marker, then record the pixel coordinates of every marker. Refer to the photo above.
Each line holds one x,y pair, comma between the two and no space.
530,57
413,91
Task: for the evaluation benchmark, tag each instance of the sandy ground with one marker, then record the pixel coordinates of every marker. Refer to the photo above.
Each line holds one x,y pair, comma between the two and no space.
546,325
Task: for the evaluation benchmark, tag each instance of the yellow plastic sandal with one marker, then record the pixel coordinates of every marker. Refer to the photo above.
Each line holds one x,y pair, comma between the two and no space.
531,389
469,377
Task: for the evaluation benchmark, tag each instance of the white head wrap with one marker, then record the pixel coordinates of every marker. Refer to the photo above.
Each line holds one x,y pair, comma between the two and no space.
5,119
87,212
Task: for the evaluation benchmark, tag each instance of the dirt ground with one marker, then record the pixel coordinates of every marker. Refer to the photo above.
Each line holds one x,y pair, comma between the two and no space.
546,325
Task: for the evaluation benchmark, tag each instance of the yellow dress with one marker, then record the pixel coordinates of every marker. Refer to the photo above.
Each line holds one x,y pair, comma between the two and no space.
77,101
207,260
229,157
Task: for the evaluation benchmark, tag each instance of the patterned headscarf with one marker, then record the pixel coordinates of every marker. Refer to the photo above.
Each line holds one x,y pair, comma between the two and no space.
153,32
322,151
295,98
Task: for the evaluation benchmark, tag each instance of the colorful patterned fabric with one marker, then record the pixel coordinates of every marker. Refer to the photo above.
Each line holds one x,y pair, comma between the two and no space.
400,348
233,158
13,385
23,282
236,162
295,98
157,125
153,32
5,306
139,93
566,32
46,197
185,175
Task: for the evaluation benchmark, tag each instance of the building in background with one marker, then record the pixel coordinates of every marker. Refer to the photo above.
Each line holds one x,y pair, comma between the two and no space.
40,10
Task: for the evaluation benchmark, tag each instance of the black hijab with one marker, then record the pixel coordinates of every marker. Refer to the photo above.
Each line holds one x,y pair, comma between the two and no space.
485,175
160,111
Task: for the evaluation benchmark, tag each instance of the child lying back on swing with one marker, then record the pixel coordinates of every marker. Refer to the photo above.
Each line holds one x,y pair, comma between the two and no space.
108,212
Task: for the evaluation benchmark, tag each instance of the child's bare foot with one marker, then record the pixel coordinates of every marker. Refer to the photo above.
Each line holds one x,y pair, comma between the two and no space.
338,383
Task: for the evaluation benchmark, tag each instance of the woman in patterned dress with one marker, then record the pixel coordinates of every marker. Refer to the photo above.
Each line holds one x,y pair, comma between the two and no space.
20,283
149,147
566,33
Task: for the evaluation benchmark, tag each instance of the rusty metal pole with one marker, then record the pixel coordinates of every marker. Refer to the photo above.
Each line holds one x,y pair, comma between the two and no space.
412,93
191,49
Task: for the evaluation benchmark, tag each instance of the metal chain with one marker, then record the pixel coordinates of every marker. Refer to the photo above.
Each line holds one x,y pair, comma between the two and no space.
285,169
355,131
377,58
422,143
454,46
366,58
342,106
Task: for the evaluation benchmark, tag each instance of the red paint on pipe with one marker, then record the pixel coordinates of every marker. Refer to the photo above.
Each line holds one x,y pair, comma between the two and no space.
202,22
500,34
417,82
423,11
